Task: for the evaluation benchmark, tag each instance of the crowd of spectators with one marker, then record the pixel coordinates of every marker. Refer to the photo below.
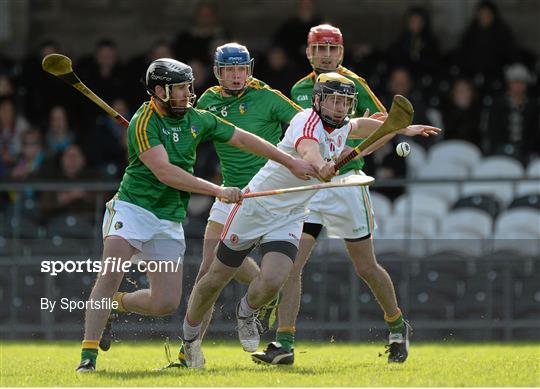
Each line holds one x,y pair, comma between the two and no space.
484,91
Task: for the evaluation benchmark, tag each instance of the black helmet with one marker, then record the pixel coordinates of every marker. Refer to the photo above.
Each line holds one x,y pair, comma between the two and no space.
334,84
167,72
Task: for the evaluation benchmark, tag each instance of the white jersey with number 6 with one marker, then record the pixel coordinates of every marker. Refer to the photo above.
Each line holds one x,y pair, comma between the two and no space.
304,125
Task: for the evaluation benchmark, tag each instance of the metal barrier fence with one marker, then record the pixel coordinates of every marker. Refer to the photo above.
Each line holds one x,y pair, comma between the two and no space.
445,295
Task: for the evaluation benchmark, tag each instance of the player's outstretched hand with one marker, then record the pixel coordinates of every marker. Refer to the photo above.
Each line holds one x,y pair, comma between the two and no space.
420,129
230,195
327,171
302,169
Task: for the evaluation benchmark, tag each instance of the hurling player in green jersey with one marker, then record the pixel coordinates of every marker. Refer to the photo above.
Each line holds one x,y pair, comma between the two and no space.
254,106
143,220
345,212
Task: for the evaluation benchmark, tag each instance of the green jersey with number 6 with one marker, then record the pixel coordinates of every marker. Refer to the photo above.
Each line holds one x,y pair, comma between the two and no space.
260,110
301,94
179,137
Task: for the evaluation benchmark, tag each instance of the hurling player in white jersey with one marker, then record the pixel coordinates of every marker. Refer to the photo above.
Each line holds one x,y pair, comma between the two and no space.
275,222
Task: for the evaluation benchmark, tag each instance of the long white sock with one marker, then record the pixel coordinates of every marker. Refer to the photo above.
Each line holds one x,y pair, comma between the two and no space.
190,332
245,310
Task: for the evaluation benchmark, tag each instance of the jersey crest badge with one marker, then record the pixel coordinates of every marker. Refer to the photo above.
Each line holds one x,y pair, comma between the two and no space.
194,132
243,108
118,225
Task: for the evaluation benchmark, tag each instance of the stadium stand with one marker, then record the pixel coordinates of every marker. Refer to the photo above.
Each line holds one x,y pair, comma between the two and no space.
495,167
459,251
456,152
450,192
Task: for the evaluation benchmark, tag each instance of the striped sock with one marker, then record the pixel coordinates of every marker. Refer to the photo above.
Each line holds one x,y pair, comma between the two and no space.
118,297
395,323
90,350
285,336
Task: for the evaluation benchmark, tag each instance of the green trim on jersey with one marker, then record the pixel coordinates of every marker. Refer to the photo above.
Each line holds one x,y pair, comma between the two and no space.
260,110
180,137
301,94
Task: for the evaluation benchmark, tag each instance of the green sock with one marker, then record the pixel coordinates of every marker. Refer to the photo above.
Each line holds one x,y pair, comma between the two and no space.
286,339
396,326
89,353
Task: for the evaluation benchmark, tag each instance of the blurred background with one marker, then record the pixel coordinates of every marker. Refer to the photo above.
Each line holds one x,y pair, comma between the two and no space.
458,220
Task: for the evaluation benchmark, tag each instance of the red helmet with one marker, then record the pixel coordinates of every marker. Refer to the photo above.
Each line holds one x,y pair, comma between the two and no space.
325,33
325,48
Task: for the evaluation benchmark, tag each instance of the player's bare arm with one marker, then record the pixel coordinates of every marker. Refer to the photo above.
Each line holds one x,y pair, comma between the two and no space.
256,145
420,130
363,127
309,151
157,161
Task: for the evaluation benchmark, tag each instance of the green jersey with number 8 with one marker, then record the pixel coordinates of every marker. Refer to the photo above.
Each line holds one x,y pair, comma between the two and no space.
179,137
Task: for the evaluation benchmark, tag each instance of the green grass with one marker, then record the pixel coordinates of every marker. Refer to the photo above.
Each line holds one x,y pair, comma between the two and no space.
317,364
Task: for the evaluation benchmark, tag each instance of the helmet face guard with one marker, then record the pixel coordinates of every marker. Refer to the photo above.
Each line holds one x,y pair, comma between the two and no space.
219,68
232,55
337,99
325,57
168,100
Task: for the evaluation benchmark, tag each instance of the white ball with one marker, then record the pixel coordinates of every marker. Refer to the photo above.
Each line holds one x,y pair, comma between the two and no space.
403,149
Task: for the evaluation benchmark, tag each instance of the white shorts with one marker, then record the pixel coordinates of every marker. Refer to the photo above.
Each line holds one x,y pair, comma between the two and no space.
249,223
346,212
220,211
156,239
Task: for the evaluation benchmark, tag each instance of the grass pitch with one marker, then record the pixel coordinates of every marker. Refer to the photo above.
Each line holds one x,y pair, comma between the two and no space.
317,364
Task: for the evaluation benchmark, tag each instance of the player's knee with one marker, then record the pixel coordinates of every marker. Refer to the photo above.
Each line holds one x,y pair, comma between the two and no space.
365,270
202,272
272,283
214,281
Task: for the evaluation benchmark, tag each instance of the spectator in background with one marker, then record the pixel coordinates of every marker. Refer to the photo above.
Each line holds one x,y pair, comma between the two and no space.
278,70
200,40
39,90
72,170
6,86
461,113
31,157
370,61
488,43
417,48
12,125
59,136
513,121
292,34
110,156
203,76
103,72
136,71
401,83
105,75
